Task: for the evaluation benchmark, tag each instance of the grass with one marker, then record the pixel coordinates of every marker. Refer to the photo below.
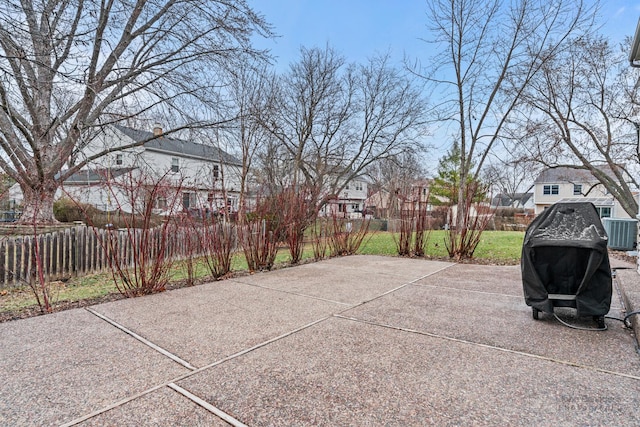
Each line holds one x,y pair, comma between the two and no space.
499,247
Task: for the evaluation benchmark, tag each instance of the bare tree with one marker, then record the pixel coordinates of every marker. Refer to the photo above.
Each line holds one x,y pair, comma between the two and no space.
332,120
394,176
67,67
510,175
579,113
250,93
489,53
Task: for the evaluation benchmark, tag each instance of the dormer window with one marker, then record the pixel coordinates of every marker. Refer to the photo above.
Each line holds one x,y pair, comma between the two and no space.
175,165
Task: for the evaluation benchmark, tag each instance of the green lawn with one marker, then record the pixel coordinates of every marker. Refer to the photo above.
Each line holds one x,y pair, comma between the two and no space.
500,247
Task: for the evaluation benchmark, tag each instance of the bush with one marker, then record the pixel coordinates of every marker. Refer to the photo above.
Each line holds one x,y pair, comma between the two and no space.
66,210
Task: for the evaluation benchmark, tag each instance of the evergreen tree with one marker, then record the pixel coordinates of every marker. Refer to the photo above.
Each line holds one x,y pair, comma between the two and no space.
445,185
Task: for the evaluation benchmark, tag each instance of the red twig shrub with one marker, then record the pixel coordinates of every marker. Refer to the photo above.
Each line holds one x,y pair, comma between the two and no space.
38,283
259,242
260,234
37,279
296,212
191,236
405,232
413,233
138,254
346,235
462,240
219,243
423,230
319,239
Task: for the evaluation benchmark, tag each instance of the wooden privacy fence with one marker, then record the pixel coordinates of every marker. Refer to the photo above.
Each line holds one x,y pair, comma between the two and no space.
81,250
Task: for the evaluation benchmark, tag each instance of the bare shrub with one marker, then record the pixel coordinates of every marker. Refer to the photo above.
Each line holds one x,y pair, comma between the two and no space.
219,243
296,211
190,234
319,239
259,243
462,242
423,229
138,254
37,282
260,235
346,235
405,232
37,279
414,226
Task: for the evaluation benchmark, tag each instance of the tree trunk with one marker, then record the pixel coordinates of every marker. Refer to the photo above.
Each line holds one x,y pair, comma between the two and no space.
38,204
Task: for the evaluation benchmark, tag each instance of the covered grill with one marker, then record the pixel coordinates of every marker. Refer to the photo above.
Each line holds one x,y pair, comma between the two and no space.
565,261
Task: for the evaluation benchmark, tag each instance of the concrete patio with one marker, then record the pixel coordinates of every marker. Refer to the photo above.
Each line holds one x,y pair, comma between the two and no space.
361,340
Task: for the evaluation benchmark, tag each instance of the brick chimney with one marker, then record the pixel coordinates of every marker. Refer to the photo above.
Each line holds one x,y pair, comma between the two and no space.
157,130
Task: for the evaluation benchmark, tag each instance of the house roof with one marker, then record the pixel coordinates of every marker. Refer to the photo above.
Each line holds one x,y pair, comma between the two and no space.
177,146
95,176
570,174
508,199
597,201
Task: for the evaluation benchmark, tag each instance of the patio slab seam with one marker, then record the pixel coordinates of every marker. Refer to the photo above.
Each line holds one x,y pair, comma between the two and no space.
128,399
111,406
390,291
475,291
206,405
143,340
491,347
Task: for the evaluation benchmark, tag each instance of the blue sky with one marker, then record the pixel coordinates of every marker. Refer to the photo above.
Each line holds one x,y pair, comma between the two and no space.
360,28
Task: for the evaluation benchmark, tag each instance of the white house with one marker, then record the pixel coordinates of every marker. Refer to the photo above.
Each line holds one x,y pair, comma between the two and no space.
350,201
569,184
194,176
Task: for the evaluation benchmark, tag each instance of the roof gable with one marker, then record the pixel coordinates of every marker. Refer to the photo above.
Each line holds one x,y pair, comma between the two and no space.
570,174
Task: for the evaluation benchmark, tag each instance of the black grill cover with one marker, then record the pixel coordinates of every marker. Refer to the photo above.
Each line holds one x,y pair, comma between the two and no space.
565,252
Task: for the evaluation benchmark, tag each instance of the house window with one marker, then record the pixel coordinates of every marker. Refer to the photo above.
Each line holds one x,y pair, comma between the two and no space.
161,203
216,171
175,165
604,212
118,159
577,189
358,186
551,189
210,198
346,187
188,200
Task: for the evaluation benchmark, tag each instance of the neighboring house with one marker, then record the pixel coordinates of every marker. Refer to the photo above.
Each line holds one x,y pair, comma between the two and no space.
385,204
350,201
515,200
201,176
568,184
